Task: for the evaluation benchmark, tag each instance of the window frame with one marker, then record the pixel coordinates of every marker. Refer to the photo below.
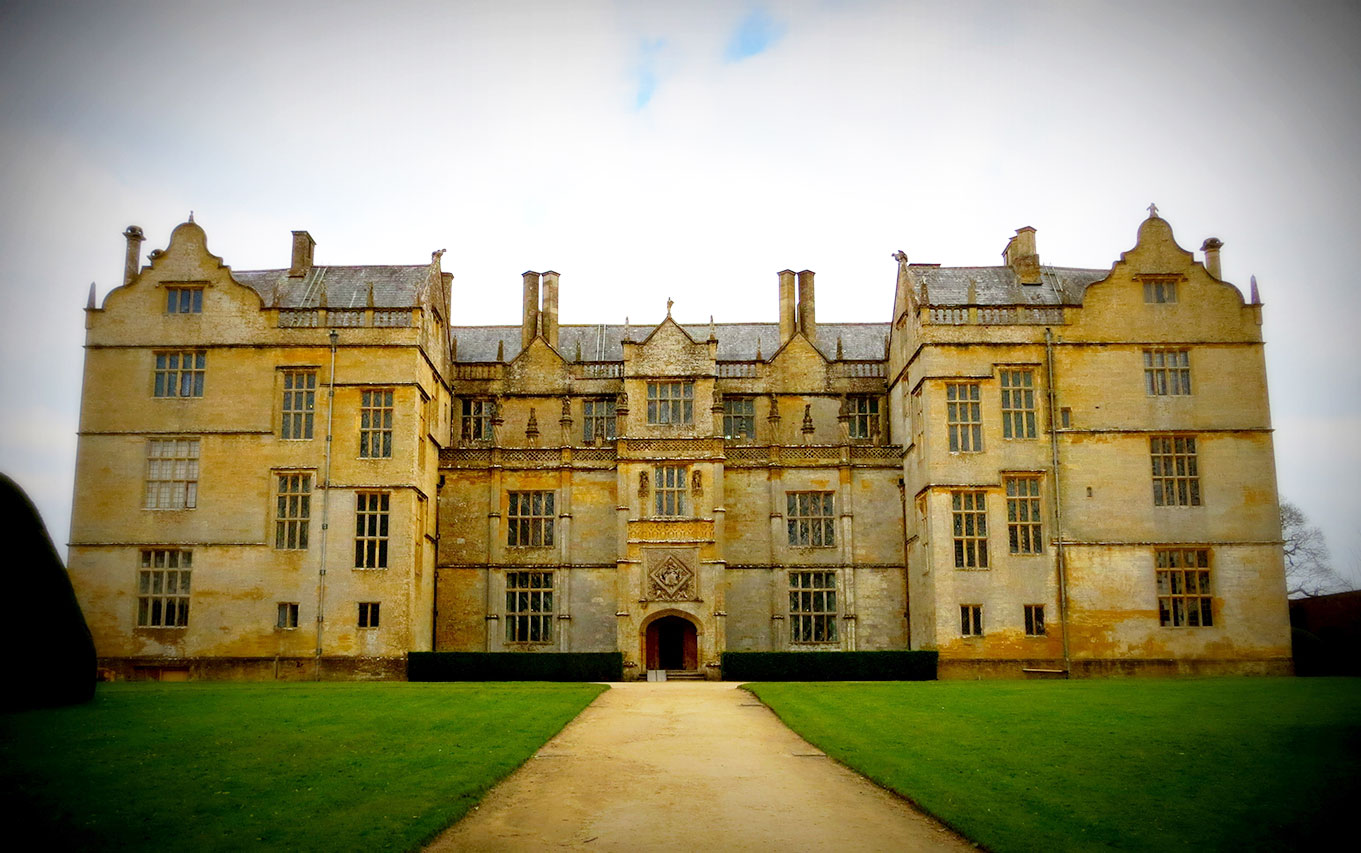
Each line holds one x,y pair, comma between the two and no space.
1033,616
292,510
671,402
1160,291
739,418
810,518
1163,378
670,489
286,616
475,418
370,615
524,528
172,380
298,407
1019,414
529,612
599,419
1179,605
1025,522
175,476
177,295
964,416
163,585
970,620
969,528
372,526
1176,470
813,614
376,408
864,417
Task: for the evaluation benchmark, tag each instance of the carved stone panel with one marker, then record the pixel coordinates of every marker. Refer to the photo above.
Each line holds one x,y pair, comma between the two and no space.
670,575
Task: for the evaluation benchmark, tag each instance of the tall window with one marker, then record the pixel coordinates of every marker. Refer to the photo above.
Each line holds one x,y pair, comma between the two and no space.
368,614
371,530
1018,403
375,424
287,615
529,521
184,300
971,620
172,473
964,417
812,607
180,374
300,398
970,516
864,416
1167,372
599,419
292,511
669,489
1184,588
163,589
739,418
1023,515
529,607
1034,620
1176,479
670,402
475,424
1159,291
809,519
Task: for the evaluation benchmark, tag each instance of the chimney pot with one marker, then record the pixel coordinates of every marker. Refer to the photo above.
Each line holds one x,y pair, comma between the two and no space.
529,320
549,316
807,306
1211,248
303,244
788,322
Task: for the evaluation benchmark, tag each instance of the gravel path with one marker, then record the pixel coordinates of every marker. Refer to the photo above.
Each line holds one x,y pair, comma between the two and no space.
688,766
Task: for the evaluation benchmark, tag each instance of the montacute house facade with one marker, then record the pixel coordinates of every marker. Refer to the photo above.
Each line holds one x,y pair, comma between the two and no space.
312,471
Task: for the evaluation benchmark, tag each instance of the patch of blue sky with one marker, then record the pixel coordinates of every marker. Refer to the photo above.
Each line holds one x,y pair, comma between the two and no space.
646,72
756,32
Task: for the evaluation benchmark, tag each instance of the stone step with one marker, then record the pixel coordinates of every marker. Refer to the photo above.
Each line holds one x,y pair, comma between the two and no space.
684,675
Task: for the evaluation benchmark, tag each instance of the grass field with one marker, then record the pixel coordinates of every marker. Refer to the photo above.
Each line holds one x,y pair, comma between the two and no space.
1203,764
285,766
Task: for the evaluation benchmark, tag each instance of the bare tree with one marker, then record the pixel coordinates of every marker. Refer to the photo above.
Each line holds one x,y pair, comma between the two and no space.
1308,569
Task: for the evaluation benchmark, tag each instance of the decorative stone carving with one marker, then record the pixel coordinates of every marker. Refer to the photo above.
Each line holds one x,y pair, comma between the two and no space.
671,580
697,482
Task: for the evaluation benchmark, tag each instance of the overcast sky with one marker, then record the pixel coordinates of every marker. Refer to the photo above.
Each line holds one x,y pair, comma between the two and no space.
686,150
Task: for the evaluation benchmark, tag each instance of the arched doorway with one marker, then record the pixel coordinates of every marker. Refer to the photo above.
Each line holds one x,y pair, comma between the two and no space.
672,643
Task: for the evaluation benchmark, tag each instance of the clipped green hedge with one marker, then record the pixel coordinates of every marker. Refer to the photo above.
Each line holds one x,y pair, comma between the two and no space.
515,666
829,666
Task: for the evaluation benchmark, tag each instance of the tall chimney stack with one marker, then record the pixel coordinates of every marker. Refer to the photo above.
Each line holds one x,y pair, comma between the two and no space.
788,323
1021,255
133,265
303,244
550,308
1211,248
529,321
808,323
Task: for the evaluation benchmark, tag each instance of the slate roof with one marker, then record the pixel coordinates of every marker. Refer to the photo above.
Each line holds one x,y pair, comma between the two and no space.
1000,286
736,341
346,287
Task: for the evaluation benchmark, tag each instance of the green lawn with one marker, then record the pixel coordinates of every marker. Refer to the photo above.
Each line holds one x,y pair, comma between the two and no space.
1194,764
213,766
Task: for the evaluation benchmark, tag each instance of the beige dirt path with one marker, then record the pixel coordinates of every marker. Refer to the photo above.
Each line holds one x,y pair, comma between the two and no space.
688,766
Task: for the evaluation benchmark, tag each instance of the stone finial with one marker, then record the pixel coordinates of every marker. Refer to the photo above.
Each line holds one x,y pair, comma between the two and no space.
669,303
839,355
501,351
758,350
1256,298
436,255
532,427
90,303
1153,211
901,257
577,356
713,335
453,348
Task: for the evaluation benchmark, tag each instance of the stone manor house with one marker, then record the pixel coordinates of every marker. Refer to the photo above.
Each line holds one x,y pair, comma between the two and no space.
310,472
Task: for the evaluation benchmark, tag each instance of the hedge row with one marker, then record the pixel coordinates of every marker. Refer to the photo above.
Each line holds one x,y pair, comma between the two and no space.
829,666
514,666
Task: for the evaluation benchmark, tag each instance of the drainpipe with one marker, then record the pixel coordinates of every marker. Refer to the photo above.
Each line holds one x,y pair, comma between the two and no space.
1060,564
325,504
